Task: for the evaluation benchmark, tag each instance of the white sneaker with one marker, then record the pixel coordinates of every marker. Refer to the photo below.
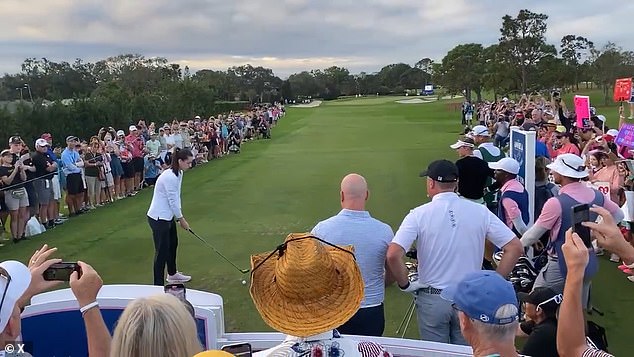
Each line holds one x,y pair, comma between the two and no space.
615,258
178,278
631,278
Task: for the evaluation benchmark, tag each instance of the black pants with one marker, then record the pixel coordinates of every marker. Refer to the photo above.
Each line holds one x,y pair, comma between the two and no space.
165,244
369,321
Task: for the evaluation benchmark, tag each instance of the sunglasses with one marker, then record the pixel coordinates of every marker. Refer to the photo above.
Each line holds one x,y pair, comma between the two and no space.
557,299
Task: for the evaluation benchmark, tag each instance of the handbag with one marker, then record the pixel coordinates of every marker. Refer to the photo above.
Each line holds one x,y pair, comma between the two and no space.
19,193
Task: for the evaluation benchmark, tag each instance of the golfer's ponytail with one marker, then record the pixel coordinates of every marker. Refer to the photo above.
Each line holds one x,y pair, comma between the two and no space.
179,154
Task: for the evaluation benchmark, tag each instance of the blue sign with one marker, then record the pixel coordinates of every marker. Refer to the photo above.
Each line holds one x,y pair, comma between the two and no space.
518,152
523,150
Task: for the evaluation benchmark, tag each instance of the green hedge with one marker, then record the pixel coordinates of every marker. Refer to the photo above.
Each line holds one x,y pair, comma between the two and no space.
84,117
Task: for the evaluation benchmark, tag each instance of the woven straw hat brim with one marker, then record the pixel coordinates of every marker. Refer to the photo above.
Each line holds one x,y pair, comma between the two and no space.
302,318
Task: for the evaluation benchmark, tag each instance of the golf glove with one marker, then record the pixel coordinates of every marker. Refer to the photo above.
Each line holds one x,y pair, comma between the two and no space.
411,287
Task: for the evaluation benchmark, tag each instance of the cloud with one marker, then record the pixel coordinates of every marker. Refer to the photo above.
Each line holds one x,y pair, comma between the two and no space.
285,35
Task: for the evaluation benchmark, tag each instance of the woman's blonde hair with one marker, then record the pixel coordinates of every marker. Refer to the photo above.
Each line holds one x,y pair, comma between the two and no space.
153,327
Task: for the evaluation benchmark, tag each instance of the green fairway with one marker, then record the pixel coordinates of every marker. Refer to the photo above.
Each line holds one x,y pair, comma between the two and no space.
248,203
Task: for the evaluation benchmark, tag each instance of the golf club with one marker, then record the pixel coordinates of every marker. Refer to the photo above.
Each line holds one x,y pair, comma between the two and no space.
243,271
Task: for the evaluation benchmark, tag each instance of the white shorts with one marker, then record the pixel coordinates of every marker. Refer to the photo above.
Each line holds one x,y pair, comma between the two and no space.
109,181
57,191
469,116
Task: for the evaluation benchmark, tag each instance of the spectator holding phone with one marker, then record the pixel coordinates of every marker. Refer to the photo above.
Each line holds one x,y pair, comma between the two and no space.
20,283
16,198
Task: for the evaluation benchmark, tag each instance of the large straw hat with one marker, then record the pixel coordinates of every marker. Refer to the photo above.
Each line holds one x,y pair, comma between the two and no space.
213,353
304,287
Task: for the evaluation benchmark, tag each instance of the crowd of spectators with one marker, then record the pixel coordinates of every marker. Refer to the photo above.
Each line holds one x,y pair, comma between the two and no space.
462,295
37,181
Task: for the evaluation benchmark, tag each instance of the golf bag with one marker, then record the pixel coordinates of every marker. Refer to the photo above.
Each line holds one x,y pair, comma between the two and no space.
523,275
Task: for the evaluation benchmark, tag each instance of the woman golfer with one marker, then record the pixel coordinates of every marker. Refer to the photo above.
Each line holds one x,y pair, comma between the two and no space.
164,212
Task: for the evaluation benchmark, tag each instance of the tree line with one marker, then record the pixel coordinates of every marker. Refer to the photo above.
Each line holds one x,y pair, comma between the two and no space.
80,97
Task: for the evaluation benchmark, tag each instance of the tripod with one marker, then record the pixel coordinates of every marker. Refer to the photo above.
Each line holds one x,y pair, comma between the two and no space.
412,267
402,328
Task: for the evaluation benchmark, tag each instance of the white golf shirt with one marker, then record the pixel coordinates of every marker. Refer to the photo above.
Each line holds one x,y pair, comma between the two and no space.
166,200
450,234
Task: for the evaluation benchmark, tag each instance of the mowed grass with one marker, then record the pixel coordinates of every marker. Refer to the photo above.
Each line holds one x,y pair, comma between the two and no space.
248,203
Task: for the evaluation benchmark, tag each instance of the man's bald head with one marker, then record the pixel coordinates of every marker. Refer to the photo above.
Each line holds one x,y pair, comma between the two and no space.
354,192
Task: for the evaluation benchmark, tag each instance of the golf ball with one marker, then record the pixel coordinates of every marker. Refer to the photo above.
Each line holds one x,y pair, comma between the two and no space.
244,282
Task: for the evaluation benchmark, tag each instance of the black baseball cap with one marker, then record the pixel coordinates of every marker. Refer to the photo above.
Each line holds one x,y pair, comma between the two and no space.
546,298
441,171
15,140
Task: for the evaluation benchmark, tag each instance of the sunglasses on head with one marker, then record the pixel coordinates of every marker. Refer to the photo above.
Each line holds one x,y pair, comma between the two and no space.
557,299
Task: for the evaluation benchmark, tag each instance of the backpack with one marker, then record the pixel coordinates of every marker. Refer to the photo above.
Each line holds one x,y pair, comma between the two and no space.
542,194
596,335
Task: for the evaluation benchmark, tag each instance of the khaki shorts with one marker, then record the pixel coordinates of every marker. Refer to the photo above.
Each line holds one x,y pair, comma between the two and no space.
109,181
16,199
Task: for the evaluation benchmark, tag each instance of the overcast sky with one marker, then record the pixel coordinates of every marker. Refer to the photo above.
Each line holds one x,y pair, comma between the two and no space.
285,35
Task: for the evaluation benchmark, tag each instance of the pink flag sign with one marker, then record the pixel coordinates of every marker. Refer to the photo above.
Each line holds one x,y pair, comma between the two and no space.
582,109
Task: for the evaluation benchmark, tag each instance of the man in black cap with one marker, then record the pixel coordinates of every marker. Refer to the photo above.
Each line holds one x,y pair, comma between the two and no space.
473,172
540,308
450,233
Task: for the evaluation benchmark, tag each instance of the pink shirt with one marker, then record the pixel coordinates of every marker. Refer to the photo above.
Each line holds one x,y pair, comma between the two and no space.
137,144
568,149
511,209
550,218
609,174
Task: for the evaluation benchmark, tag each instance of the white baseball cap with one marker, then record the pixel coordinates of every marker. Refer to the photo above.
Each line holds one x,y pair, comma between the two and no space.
120,132
613,132
132,128
41,142
12,287
569,165
463,142
507,164
480,130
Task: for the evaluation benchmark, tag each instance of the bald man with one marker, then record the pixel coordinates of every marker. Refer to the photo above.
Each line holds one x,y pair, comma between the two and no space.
370,237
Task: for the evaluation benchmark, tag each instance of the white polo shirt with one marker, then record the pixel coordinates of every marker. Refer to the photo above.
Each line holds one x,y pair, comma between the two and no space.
449,234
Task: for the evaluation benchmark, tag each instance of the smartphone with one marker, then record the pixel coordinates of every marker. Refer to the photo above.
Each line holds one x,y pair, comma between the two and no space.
61,271
581,213
239,349
177,290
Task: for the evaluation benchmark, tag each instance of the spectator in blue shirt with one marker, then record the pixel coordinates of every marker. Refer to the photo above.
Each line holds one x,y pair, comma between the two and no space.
152,169
73,163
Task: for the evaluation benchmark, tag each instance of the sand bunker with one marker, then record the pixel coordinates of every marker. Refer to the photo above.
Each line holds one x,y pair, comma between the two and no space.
415,101
313,104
